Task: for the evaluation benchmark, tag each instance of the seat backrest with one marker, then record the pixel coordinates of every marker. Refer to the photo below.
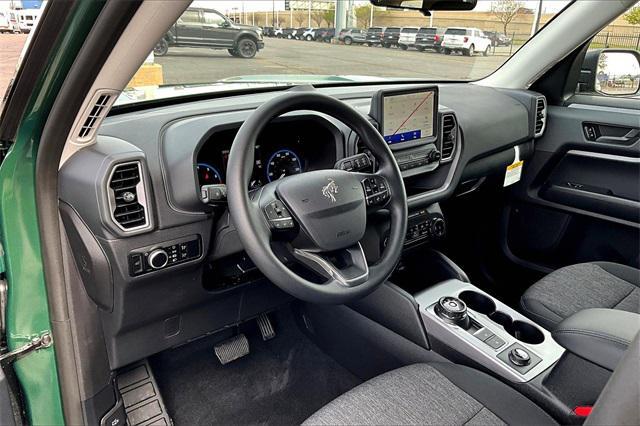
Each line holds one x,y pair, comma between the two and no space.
619,402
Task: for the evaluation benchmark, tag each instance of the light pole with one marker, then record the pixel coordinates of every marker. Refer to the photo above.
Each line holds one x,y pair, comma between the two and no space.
371,16
309,13
536,19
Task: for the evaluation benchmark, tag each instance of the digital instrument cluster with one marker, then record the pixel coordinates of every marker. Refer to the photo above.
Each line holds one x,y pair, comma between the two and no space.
284,148
267,167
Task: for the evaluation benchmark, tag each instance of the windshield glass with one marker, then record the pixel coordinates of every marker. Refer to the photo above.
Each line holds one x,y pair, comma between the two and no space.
223,45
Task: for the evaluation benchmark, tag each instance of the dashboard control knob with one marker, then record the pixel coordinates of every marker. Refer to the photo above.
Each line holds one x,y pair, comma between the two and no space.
434,156
438,227
519,357
158,259
453,310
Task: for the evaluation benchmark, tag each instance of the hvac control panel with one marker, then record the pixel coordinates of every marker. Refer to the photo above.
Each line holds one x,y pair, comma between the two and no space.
425,225
164,255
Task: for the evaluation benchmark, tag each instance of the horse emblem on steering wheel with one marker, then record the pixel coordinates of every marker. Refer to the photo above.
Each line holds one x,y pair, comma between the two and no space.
330,189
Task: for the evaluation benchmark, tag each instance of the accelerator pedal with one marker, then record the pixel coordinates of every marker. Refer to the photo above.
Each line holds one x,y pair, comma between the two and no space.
266,328
232,349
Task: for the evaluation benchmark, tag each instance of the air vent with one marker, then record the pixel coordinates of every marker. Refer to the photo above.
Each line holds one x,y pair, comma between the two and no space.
93,116
541,115
449,137
127,198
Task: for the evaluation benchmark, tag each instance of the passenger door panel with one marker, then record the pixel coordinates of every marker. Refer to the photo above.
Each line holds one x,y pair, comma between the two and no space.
579,199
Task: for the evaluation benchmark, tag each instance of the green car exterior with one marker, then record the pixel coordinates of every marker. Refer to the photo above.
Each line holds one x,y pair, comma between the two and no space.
27,315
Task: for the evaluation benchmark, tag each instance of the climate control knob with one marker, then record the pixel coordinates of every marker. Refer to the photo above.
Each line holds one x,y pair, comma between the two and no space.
158,259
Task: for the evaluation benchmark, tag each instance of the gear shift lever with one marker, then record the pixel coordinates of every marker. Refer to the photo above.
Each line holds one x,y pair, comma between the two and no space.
454,311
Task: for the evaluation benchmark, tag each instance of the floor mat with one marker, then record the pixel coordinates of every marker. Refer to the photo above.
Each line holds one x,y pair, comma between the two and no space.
282,381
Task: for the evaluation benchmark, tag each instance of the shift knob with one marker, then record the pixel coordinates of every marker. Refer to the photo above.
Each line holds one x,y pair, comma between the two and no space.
453,310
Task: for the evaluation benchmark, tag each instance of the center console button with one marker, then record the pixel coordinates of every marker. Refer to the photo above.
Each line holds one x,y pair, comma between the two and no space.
494,341
483,334
519,357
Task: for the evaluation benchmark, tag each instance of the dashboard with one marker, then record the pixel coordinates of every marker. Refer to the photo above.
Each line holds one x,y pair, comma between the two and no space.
142,235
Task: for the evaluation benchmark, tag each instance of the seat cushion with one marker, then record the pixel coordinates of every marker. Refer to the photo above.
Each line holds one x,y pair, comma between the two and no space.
586,285
432,394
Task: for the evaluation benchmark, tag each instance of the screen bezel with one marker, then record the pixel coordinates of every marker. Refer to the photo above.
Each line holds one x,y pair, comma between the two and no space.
377,112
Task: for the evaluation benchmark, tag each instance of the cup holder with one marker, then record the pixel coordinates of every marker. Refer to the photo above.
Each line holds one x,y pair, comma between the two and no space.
478,302
525,332
501,318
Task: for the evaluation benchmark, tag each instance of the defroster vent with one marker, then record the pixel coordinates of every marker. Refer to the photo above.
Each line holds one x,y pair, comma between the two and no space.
128,200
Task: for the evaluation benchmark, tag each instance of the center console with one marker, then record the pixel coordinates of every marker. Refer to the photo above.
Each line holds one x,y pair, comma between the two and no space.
473,323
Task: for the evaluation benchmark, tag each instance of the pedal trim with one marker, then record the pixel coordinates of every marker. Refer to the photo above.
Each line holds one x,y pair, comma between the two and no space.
232,349
266,328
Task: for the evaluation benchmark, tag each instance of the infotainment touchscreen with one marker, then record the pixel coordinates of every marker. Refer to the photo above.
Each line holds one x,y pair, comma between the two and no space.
408,116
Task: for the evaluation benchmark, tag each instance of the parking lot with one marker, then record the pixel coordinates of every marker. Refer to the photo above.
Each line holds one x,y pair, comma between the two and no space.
282,56
10,48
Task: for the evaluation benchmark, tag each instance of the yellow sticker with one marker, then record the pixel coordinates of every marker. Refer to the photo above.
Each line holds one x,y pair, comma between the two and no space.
513,174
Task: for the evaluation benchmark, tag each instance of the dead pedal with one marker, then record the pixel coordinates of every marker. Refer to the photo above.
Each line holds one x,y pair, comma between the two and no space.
143,402
266,328
232,349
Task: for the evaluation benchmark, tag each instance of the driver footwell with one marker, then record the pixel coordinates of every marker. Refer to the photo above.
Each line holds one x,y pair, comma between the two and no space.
282,381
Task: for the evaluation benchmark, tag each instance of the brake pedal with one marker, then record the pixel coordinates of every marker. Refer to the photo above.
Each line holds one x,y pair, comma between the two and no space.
231,349
266,328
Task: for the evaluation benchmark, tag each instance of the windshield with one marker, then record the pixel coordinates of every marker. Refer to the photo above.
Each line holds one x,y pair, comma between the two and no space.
220,45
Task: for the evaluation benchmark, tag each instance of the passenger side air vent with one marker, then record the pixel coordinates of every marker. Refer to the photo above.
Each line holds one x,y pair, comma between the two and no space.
94,113
127,198
449,137
541,115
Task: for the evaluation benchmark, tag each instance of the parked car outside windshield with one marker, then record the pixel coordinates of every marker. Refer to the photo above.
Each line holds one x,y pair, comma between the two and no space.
217,46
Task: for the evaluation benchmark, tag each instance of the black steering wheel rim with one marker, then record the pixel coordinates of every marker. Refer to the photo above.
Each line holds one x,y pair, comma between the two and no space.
250,222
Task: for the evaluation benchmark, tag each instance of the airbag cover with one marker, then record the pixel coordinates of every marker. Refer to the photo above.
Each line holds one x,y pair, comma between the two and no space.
329,205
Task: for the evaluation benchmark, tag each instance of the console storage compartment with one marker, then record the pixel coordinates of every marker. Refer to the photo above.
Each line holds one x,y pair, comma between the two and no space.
600,336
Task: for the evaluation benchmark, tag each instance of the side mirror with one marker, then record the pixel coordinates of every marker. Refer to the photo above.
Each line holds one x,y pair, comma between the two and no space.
611,72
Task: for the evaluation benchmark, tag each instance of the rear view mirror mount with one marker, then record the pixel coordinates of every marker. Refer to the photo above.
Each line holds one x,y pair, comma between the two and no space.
426,6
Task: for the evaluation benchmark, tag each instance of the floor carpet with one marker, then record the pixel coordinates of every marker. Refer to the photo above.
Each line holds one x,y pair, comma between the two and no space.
282,381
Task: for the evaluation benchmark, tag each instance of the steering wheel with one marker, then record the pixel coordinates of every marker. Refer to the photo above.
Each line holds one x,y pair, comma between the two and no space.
317,218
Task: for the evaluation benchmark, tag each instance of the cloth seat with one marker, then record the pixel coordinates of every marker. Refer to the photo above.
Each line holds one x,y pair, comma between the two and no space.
431,394
586,285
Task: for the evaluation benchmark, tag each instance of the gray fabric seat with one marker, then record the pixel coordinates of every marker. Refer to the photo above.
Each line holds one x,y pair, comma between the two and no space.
586,285
431,394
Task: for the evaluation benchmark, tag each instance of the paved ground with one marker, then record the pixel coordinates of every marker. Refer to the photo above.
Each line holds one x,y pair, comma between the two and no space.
282,56
10,48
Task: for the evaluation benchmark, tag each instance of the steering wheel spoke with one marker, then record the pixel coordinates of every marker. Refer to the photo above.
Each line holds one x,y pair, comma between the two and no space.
348,267
376,190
